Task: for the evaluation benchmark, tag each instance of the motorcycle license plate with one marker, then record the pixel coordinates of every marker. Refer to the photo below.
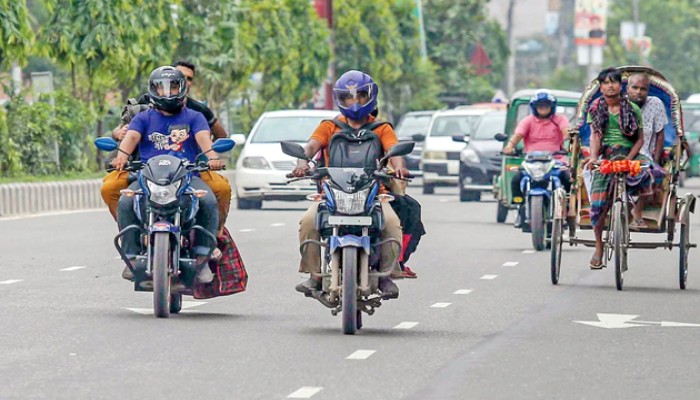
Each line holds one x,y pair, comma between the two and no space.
346,220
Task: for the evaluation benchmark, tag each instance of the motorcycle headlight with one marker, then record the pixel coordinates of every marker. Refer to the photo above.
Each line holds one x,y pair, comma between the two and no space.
537,170
350,203
469,156
256,163
163,194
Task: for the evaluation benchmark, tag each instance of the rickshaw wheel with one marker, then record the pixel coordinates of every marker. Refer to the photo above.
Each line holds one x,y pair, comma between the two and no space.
555,259
619,244
683,245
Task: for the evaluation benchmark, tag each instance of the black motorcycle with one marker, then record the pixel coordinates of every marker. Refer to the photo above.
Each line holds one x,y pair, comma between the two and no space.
350,221
168,225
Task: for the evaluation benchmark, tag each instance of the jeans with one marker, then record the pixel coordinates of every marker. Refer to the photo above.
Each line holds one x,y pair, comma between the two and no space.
207,216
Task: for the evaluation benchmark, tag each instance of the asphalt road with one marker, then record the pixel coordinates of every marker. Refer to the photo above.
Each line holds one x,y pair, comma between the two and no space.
482,321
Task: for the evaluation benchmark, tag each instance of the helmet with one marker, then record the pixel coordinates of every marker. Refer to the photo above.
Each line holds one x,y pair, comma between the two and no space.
355,94
543,98
167,89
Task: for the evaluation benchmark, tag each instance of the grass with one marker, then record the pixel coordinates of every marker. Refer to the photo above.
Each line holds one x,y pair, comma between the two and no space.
52,178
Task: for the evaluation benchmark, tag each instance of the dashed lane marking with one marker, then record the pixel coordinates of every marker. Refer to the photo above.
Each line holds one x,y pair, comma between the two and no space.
489,277
72,268
528,251
510,264
278,224
10,281
361,355
440,305
406,325
463,291
247,230
305,392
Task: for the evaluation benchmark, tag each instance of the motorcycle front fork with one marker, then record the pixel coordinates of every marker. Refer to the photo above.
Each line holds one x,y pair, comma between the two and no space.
332,267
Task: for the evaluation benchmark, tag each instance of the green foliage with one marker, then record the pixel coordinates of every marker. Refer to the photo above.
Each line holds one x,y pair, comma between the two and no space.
674,26
16,34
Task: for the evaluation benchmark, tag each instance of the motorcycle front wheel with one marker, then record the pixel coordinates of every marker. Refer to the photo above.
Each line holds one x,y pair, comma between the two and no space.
161,274
349,290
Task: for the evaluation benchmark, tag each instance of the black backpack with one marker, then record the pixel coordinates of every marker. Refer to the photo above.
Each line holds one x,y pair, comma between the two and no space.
355,148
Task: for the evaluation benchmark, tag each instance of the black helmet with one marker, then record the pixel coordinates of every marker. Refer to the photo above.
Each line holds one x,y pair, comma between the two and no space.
167,89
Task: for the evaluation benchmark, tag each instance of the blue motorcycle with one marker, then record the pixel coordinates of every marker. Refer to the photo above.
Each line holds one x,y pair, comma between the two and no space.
168,225
541,177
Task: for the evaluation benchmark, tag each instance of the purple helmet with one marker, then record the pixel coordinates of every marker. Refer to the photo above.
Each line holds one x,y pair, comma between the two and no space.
355,94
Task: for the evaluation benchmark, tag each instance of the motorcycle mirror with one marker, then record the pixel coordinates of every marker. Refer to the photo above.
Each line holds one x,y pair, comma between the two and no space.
399,149
501,137
106,144
223,145
294,150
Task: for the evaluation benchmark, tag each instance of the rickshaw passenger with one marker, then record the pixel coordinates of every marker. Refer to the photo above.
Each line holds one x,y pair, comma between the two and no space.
653,122
616,133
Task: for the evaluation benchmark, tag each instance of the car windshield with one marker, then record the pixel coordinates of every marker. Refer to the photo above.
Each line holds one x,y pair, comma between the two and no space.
489,125
451,125
411,124
691,120
277,129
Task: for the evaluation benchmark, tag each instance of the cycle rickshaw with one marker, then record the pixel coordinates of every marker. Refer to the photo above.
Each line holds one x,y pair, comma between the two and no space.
665,212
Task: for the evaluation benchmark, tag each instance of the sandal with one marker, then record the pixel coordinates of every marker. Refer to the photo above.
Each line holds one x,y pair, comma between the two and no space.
638,224
597,262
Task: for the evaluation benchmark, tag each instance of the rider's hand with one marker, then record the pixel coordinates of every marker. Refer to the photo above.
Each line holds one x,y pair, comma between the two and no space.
215,164
589,162
508,149
120,161
302,169
402,173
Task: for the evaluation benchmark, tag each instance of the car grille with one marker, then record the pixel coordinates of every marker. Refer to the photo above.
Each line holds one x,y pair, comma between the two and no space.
453,155
283,165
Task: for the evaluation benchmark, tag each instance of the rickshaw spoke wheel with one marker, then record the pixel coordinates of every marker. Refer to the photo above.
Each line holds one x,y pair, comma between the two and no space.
683,246
619,236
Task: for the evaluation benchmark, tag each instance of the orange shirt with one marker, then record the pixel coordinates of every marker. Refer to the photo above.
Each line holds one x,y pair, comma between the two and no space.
326,129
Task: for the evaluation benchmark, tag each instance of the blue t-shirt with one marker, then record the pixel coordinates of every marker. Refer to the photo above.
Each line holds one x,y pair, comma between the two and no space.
169,134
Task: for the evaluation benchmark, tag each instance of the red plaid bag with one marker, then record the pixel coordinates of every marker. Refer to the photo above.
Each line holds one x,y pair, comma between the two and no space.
230,275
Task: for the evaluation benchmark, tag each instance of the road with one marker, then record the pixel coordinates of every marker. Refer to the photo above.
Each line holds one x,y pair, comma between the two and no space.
482,321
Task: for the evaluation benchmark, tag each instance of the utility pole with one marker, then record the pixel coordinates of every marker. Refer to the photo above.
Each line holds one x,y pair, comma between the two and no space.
421,27
510,69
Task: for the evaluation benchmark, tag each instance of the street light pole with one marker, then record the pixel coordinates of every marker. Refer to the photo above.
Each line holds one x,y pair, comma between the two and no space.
421,30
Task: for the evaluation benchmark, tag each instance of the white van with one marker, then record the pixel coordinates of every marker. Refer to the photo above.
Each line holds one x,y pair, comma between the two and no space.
440,159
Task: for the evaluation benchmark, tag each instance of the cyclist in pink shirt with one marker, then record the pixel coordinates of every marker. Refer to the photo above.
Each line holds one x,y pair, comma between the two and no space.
544,130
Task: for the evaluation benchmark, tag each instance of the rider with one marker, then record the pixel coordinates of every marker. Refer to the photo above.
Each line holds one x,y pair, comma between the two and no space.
616,132
168,128
356,95
543,130
653,122
220,185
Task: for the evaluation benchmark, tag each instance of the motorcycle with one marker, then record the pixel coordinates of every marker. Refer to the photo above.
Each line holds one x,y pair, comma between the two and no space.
167,228
350,221
541,177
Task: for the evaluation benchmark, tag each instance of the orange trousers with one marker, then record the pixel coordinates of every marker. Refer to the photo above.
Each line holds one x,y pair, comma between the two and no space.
118,180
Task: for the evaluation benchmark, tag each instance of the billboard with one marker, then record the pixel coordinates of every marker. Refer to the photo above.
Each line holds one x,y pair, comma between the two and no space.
590,18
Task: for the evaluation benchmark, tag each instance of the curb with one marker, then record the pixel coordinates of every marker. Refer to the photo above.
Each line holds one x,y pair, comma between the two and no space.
45,197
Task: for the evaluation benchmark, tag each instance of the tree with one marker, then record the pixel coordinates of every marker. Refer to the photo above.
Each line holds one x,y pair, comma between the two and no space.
16,34
453,29
674,26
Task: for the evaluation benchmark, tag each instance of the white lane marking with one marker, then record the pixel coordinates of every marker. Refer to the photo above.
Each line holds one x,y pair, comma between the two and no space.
463,291
72,354
406,325
118,257
185,306
444,200
489,277
440,305
278,224
10,281
510,264
305,392
360,355
528,251
72,268
52,214
618,321
247,230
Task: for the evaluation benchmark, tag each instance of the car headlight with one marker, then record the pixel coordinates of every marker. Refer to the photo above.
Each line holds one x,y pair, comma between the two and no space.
256,163
537,170
469,156
435,155
350,203
163,194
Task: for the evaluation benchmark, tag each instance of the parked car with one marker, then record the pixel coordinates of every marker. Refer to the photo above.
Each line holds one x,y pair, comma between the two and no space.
440,158
480,161
413,126
691,123
261,166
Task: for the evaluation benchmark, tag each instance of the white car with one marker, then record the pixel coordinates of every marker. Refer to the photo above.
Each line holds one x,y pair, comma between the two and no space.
440,159
261,166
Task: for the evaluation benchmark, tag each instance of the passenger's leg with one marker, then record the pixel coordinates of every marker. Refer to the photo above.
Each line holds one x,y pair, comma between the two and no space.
221,187
390,251
112,183
130,241
311,253
208,218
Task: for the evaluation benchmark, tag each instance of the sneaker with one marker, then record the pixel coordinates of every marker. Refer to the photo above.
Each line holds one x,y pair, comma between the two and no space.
127,274
204,275
309,285
388,288
407,273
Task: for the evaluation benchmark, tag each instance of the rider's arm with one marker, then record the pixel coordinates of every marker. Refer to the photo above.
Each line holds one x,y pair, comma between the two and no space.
637,145
659,150
119,132
520,132
126,147
218,130
595,139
